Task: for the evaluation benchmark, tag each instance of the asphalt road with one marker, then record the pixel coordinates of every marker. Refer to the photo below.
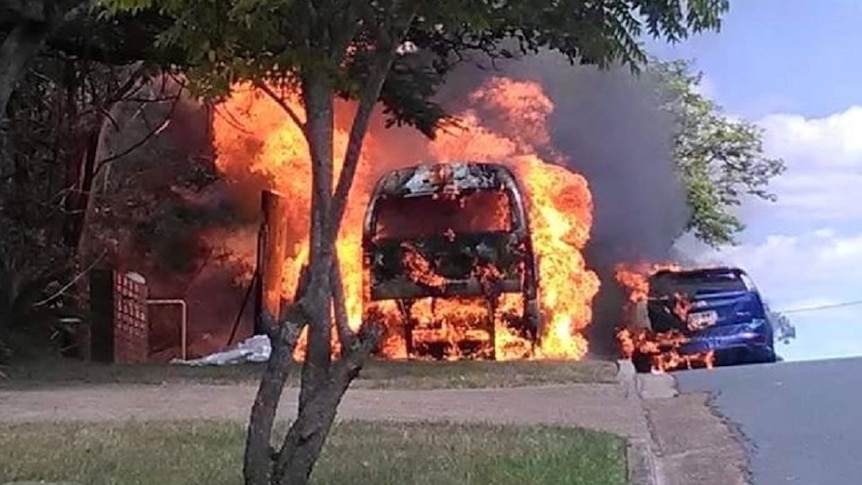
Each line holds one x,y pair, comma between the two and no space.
802,420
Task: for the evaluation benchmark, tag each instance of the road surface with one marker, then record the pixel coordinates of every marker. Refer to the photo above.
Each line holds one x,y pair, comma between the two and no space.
802,420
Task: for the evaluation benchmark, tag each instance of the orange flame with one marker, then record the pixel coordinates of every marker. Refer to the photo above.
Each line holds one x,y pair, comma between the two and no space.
634,277
660,348
259,147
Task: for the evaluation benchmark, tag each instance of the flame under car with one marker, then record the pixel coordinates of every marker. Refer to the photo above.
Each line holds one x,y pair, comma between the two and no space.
450,238
713,312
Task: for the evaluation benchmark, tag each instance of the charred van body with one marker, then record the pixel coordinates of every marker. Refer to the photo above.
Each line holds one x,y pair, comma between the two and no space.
453,231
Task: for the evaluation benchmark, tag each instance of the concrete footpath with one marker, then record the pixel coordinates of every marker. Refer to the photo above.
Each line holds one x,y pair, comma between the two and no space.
673,439
689,443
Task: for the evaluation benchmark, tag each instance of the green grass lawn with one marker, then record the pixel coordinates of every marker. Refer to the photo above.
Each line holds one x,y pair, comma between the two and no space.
210,453
377,374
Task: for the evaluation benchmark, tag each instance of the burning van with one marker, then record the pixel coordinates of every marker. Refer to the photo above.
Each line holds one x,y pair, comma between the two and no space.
711,316
447,250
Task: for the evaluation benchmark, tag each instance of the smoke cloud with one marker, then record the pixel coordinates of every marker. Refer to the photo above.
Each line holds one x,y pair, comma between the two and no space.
609,125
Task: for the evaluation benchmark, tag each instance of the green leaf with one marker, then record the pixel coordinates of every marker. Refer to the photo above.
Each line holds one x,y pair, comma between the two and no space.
720,160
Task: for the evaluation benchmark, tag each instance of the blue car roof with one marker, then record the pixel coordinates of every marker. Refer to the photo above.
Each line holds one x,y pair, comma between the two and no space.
717,270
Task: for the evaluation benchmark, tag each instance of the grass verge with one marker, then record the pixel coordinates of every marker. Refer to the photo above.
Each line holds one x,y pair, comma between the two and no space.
377,374
188,453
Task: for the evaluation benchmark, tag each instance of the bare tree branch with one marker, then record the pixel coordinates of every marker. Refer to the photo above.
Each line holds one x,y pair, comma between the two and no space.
225,113
280,101
345,334
152,133
110,117
74,280
161,99
384,58
357,135
124,92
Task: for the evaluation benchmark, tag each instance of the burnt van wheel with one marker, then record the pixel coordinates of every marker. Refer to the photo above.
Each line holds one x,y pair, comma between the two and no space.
642,363
532,319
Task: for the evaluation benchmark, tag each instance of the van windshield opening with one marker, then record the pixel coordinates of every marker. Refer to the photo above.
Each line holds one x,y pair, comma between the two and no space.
476,211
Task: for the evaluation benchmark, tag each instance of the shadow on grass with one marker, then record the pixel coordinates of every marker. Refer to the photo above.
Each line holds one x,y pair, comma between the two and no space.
188,453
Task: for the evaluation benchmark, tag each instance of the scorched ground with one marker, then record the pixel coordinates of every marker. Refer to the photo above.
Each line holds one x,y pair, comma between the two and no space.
259,148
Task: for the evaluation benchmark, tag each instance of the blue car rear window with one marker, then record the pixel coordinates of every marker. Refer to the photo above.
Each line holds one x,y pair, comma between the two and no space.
696,281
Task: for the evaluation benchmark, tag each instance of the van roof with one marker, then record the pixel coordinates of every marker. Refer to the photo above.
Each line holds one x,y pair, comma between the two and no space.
428,178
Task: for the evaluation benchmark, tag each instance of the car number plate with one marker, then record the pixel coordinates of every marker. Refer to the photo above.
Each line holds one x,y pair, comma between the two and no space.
699,320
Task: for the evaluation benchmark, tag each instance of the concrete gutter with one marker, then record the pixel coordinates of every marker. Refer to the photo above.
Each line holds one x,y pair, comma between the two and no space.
626,376
641,462
656,386
640,459
689,443
645,386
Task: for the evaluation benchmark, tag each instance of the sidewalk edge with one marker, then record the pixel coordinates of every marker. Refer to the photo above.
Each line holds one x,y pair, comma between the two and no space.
642,463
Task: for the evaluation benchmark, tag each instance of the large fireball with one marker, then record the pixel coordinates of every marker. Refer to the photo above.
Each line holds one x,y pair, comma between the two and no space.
259,147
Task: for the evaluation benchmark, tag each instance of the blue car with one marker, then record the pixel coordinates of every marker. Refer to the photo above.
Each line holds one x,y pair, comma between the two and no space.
717,309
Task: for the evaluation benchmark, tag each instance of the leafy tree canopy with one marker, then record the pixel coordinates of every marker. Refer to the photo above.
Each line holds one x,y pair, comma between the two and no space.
720,159
277,40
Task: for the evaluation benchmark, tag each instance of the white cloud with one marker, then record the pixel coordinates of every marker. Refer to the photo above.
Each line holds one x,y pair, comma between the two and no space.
824,165
832,140
795,270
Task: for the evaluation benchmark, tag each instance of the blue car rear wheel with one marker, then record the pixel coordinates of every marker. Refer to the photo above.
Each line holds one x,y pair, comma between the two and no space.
770,358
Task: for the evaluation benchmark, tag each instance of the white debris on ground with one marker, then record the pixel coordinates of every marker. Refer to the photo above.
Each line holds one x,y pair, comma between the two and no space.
253,349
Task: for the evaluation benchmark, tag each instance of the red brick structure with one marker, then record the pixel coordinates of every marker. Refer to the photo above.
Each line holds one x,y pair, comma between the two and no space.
131,328
120,329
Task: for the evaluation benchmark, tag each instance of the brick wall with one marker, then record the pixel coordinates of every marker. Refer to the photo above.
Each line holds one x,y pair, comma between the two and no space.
131,330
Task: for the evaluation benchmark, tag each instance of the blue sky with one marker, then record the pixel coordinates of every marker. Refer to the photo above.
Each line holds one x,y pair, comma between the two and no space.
792,67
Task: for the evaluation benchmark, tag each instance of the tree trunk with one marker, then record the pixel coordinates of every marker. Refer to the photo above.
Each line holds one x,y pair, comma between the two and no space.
84,240
307,435
302,446
319,106
257,463
81,194
19,47
324,384
284,333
